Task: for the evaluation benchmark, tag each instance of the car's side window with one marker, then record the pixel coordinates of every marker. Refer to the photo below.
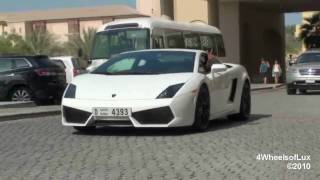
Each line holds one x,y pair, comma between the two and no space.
60,63
203,69
6,65
21,63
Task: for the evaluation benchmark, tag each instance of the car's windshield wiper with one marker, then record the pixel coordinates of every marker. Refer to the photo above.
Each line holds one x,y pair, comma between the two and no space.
142,73
102,73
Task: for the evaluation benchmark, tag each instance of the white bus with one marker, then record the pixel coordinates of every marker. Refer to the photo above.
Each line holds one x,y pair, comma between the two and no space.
149,33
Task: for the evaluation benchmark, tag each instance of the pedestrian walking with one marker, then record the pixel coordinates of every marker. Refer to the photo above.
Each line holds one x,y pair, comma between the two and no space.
264,67
276,72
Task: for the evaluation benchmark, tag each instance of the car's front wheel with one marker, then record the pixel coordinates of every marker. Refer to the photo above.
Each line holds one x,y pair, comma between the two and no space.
202,110
86,129
245,104
291,91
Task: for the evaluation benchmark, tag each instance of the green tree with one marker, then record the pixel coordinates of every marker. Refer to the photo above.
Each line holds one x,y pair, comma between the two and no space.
81,45
40,42
309,28
293,45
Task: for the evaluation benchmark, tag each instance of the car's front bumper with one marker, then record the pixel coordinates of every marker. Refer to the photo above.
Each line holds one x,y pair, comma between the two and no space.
303,85
306,82
176,112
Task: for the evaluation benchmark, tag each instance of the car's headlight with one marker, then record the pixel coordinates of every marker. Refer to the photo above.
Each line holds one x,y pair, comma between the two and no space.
292,70
70,91
170,91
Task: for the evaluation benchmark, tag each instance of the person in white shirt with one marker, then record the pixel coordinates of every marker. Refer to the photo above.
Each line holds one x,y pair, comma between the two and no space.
276,72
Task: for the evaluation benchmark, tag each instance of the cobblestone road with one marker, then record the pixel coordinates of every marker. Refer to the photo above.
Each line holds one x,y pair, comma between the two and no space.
43,149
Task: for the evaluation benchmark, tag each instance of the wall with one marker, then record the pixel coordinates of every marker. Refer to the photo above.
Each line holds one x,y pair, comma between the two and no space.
230,27
59,29
17,27
187,11
149,7
85,25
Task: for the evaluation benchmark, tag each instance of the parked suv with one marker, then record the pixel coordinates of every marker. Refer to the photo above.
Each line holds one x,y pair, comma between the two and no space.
71,65
25,78
304,73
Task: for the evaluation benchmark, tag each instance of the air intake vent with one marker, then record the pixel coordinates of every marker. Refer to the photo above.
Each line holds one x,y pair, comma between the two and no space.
75,115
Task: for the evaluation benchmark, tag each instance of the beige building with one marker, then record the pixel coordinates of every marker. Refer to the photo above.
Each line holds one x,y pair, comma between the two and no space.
63,22
252,28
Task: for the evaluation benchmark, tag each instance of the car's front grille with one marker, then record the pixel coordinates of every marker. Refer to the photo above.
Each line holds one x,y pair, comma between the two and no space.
72,115
161,115
308,72
113,123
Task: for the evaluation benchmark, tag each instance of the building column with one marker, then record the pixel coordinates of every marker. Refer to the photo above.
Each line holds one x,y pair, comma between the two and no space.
213,13
167,8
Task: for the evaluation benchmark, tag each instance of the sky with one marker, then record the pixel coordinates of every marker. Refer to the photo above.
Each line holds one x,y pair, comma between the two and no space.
16,5
293,18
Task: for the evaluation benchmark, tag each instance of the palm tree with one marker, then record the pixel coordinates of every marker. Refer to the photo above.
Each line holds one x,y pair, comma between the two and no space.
309,28
81,45
40,42
3,24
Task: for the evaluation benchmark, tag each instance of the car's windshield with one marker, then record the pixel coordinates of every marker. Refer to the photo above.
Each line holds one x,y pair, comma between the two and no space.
148,62
113,42
309,58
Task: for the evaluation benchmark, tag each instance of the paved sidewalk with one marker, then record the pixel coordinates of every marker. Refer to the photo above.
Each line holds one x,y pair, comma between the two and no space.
7,114
9,104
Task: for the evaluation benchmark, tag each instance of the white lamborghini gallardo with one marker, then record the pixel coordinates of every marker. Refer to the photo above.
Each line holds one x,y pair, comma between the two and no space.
157,88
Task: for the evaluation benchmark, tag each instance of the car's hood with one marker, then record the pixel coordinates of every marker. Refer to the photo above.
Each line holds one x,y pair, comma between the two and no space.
125,87
307,66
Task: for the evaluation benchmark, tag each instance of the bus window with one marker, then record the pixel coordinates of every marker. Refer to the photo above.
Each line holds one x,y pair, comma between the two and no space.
174,39
208,43
157,42
191,40
220,46
108,43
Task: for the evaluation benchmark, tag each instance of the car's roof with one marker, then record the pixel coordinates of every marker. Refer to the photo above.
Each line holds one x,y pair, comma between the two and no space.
168,50
310,51
22,56
150,22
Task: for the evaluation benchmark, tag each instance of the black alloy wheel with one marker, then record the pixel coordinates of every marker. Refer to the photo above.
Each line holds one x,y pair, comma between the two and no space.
245,104
202,110
20,94
291,91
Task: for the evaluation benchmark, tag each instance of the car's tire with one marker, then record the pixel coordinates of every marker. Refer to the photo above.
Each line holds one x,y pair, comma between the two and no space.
20,93
202,110
245,104
291,91
86,129
303,91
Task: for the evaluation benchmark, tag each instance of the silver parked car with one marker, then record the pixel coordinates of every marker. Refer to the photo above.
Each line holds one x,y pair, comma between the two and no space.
304,73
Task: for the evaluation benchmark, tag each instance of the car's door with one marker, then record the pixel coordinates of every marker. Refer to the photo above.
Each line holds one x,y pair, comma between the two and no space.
6,76
220,84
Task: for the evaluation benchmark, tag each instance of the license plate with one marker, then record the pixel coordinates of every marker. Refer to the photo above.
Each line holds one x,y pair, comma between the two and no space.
310,81
111,112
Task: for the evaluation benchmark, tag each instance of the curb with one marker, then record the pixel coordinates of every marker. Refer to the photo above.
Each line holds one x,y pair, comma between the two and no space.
16,104
269,87
12,117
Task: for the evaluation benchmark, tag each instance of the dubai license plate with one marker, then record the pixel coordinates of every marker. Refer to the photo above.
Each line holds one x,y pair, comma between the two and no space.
310,81
111,112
